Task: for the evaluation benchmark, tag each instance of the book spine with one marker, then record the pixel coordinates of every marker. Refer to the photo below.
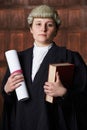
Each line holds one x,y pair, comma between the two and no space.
51,78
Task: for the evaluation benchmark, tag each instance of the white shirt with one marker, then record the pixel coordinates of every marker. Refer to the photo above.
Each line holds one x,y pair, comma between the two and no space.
38,55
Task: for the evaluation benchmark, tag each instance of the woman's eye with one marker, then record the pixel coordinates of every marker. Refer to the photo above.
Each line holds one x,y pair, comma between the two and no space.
50,25
38,24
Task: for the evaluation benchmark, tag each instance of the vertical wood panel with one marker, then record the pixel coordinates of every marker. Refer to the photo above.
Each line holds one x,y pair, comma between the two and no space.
63,14
17,19
28,41
74,41
26,13
3,44
56,2
61,38
84,18
73,2
20,40
74,18
16,40
83,45
38,2
20,2
4,18
50,2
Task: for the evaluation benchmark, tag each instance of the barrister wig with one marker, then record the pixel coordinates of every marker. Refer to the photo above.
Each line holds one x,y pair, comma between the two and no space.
44,11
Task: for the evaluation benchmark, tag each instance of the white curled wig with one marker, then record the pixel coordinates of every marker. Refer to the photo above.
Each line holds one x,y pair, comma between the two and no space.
44,11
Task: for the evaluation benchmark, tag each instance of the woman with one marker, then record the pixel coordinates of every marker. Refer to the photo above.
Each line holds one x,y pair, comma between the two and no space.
36,113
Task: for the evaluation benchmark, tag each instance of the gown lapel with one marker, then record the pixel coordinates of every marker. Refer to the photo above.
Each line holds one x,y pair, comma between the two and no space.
54,55
27,65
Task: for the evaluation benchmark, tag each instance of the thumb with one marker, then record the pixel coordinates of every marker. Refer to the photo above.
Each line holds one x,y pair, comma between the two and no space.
57,77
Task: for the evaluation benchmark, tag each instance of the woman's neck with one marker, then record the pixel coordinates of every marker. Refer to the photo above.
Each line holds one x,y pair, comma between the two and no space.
42,44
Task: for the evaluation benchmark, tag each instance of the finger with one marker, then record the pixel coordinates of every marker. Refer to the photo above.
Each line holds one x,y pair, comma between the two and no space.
16,74
15,86
47,83
46,90
57,77
46,87
19,80
19,77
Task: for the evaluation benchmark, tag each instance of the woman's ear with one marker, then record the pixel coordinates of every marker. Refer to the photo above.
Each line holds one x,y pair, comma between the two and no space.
31,29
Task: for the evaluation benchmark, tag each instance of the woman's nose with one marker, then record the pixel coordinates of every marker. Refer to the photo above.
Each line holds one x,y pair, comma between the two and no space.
44,28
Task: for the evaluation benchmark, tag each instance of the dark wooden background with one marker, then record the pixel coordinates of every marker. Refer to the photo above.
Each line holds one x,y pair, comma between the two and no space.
14,31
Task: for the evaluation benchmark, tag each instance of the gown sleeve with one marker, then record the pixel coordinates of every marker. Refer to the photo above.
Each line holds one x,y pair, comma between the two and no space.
8,105
80,75
77,94
7,97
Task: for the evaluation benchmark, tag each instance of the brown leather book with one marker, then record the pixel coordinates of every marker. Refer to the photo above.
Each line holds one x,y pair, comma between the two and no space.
65,71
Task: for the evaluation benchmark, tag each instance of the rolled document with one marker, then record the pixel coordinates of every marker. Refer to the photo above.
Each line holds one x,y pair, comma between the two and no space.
14,66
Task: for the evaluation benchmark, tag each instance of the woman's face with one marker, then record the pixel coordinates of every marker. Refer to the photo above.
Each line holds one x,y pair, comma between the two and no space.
43,30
